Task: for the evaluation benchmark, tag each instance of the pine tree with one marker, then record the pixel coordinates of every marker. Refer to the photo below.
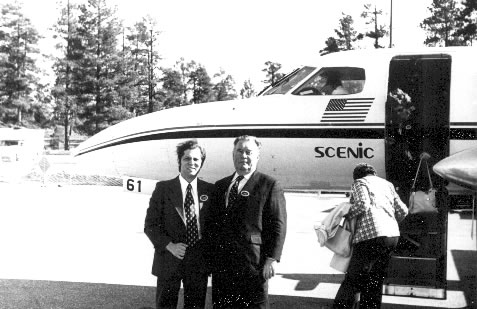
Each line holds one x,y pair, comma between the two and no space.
467,22
379,30
224,88
19,52
172,88
272,75
99,30
67,89
140,59
331,47
441,26
346,33
247,91
200,84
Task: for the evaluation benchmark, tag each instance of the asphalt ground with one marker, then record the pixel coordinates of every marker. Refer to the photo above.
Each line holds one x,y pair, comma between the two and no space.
83,247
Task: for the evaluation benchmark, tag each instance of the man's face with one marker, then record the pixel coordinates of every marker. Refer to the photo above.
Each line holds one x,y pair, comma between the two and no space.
191,162
246,155
321,81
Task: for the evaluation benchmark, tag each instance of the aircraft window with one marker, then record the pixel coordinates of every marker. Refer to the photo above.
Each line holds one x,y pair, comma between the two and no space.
334,81
289,81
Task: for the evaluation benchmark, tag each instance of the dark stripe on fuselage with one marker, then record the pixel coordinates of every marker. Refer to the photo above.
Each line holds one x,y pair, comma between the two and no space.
270,132
216,132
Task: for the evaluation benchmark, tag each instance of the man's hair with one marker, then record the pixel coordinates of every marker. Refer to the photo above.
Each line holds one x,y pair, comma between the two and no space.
190,144
363,169
248,138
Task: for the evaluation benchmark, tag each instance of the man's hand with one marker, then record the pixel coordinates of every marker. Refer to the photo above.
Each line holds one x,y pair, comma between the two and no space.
178,250
269,268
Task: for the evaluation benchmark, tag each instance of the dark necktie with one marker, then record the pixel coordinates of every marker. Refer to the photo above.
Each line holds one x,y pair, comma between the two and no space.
191,219
233,194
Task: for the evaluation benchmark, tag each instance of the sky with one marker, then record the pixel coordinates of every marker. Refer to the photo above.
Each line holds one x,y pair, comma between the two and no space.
240,36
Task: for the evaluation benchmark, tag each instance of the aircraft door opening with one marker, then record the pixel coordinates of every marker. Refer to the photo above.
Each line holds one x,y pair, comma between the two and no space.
417,123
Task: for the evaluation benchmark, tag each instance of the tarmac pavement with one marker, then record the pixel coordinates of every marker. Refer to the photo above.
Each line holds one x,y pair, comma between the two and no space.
84,247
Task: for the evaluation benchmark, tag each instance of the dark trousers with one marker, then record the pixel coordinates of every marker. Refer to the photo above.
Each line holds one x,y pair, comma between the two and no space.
236,290
194,279
366,273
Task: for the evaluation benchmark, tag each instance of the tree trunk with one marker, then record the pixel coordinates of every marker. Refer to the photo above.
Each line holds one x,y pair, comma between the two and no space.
19,115
67,137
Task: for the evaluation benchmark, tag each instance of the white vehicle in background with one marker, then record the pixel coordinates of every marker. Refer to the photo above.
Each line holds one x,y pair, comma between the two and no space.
20,149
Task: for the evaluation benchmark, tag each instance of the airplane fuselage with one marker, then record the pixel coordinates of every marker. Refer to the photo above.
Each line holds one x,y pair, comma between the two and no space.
310,140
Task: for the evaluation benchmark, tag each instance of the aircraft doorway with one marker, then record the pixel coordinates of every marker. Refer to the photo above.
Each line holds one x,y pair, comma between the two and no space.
417,122
417,118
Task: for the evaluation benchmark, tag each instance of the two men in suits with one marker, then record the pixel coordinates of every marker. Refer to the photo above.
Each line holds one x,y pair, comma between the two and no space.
247,231
175,225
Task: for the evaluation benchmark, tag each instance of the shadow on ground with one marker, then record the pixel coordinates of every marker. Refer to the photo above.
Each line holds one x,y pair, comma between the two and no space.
308,282
16,294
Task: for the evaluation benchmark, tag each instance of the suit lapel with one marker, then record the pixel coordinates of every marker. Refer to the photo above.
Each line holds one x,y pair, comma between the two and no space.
176,198
202,193
246,191
251,183
225,188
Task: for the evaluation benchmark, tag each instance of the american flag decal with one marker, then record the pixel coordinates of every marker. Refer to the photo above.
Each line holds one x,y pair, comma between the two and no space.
347,110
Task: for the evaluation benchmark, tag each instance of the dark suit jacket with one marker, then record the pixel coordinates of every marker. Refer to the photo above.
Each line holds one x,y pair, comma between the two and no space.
165,223
252,230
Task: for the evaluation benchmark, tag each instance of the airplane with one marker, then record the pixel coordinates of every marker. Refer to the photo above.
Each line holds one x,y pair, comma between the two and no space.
312,137
315,125
460,168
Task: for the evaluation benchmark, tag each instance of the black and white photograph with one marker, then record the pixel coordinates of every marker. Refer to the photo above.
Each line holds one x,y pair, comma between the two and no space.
238,154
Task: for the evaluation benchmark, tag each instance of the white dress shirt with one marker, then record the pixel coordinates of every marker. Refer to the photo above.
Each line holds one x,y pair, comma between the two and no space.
184,185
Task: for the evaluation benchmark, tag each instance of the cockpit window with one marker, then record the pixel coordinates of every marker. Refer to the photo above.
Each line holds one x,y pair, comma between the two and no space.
289,81
334,81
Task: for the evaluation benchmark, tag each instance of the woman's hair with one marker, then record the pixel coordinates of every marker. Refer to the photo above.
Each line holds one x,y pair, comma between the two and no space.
363,169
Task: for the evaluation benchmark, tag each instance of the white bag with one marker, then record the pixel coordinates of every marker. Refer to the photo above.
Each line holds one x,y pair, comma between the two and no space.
420,201
340,263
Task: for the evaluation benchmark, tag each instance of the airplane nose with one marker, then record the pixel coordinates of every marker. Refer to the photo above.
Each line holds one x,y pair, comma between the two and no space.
460,168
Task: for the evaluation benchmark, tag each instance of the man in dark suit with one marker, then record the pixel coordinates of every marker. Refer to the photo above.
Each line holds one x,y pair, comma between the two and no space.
247,231
175,224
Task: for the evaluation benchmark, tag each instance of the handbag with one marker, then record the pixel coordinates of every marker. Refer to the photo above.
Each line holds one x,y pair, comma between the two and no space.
340,263
341,242
422,201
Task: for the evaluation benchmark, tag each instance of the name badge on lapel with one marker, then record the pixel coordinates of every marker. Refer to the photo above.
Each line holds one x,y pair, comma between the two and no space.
245,193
